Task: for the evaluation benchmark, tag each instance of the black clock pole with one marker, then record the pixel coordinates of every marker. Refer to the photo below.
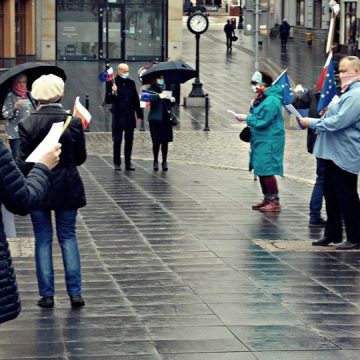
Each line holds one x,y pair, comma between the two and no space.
197,90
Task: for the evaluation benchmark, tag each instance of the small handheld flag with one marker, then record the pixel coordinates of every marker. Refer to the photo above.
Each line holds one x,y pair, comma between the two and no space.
81,112
284,82
107,75
326,84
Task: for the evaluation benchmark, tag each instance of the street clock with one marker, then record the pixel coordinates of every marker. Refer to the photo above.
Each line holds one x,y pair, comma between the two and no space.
198,23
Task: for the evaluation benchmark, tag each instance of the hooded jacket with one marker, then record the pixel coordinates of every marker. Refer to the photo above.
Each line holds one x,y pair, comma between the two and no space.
267,134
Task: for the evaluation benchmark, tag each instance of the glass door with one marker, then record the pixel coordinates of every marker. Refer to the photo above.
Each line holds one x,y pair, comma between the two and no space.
111,32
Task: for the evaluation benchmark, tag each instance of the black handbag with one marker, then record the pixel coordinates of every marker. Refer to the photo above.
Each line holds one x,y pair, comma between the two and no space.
245,134
172,117
234,38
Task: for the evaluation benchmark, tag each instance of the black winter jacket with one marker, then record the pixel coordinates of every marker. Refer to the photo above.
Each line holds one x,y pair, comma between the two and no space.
124,105
67,189
20,196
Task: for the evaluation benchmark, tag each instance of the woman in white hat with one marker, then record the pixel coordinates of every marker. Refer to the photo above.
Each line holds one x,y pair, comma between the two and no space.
66,194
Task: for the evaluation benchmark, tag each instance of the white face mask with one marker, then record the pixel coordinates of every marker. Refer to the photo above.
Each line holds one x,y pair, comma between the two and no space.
124,75
254,88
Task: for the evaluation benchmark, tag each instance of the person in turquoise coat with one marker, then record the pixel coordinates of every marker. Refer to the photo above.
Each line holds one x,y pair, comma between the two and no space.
267,141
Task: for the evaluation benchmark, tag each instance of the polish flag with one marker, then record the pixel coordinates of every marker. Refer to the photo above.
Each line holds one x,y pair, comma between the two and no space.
82,113
110,73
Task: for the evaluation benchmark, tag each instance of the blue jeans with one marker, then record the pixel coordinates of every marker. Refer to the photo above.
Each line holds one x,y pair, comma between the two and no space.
66,234
14,146
317,195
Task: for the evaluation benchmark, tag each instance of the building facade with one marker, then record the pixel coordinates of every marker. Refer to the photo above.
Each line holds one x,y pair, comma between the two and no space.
91,29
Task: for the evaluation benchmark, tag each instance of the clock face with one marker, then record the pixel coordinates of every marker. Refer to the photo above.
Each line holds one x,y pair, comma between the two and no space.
198,23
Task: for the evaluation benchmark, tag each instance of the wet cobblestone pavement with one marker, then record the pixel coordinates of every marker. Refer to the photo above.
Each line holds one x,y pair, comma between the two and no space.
176,265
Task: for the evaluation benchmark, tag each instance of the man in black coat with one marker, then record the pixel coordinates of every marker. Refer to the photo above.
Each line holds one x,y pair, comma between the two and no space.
284,31
229,31
125,104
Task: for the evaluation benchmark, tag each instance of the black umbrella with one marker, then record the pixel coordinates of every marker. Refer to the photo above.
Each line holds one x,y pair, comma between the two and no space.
33,70
175,72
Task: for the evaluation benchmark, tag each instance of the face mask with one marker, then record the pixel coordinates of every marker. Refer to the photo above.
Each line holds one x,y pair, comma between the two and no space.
257,89
160,81
124,75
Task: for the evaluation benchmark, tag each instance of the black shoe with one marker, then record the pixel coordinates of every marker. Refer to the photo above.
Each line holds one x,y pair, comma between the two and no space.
317,223
77,301
46,302
325,242
129,168
347,245
156,165
164,166
117,168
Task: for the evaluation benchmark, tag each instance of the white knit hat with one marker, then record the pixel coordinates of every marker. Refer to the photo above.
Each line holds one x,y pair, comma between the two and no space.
48,88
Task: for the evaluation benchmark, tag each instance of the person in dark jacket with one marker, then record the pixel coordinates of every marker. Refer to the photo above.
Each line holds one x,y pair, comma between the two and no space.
66,194
284,31
306,102
159,120
19,195
229,32
125,104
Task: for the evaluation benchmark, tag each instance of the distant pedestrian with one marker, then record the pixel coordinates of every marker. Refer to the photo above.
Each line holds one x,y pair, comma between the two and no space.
284,31
17,106
229,32
307,100
159,120
338,144
267,140
125,111
66,194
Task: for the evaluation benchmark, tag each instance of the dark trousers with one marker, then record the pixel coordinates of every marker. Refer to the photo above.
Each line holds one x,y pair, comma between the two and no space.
117,139
229,41
342,203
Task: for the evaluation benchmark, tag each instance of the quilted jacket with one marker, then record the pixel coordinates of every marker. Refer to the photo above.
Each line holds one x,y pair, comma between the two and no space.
19,195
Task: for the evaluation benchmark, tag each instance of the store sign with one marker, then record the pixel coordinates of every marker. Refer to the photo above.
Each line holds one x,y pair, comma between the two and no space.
211,8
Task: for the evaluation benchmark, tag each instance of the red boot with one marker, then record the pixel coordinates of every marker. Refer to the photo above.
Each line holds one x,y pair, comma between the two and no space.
260,205
271,206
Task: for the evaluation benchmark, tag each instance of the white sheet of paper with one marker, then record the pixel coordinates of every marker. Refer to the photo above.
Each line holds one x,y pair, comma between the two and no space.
168,94
49,141
292,109
231,112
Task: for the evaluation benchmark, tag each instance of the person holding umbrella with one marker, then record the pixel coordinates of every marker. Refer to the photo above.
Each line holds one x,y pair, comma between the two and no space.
17,106
159,120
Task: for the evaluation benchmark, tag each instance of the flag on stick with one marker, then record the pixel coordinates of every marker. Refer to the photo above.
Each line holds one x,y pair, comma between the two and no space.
107,75
326,84
284,82
81,112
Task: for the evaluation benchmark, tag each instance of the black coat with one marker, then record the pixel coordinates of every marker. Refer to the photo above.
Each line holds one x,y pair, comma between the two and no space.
124,105
20,196
67,190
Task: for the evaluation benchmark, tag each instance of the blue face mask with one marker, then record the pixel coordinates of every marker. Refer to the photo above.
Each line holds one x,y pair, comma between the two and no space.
124,75
160,81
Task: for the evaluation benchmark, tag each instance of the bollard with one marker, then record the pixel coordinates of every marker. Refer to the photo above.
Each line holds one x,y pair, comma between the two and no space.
206,128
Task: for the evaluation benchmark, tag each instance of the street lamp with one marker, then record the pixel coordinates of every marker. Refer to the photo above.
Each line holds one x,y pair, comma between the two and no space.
241,19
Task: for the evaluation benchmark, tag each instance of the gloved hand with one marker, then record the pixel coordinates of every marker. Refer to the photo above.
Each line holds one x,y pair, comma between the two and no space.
172,99
299,89
240,117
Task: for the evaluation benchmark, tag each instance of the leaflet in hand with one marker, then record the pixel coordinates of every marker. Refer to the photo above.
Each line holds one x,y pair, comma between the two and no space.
49,141
292,110
231,112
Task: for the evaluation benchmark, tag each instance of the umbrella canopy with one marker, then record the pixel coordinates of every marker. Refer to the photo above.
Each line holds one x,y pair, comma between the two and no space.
175,72
33,70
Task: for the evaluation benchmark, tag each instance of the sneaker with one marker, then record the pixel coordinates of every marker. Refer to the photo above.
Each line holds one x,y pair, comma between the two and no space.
77,301
260,205
271,206
46,302
317,223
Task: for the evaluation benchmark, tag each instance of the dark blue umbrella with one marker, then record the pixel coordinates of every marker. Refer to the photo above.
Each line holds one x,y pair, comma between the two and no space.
174,72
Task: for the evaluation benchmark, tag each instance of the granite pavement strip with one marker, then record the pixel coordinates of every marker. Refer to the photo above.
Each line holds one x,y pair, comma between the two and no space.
177,266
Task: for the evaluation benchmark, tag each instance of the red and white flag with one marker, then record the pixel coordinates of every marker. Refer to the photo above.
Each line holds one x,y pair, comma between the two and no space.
81,112
324,72
110,73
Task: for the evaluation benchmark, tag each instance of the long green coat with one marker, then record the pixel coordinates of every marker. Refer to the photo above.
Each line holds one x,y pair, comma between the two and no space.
267,134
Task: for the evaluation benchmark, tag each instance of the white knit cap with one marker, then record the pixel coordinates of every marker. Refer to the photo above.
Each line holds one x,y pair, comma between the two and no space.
48,88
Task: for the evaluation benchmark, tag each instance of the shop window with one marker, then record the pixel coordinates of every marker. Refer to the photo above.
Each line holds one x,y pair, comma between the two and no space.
300,12
350,22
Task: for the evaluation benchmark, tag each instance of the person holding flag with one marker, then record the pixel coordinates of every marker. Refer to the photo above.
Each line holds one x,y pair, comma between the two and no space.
267,140
125,105
338,144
